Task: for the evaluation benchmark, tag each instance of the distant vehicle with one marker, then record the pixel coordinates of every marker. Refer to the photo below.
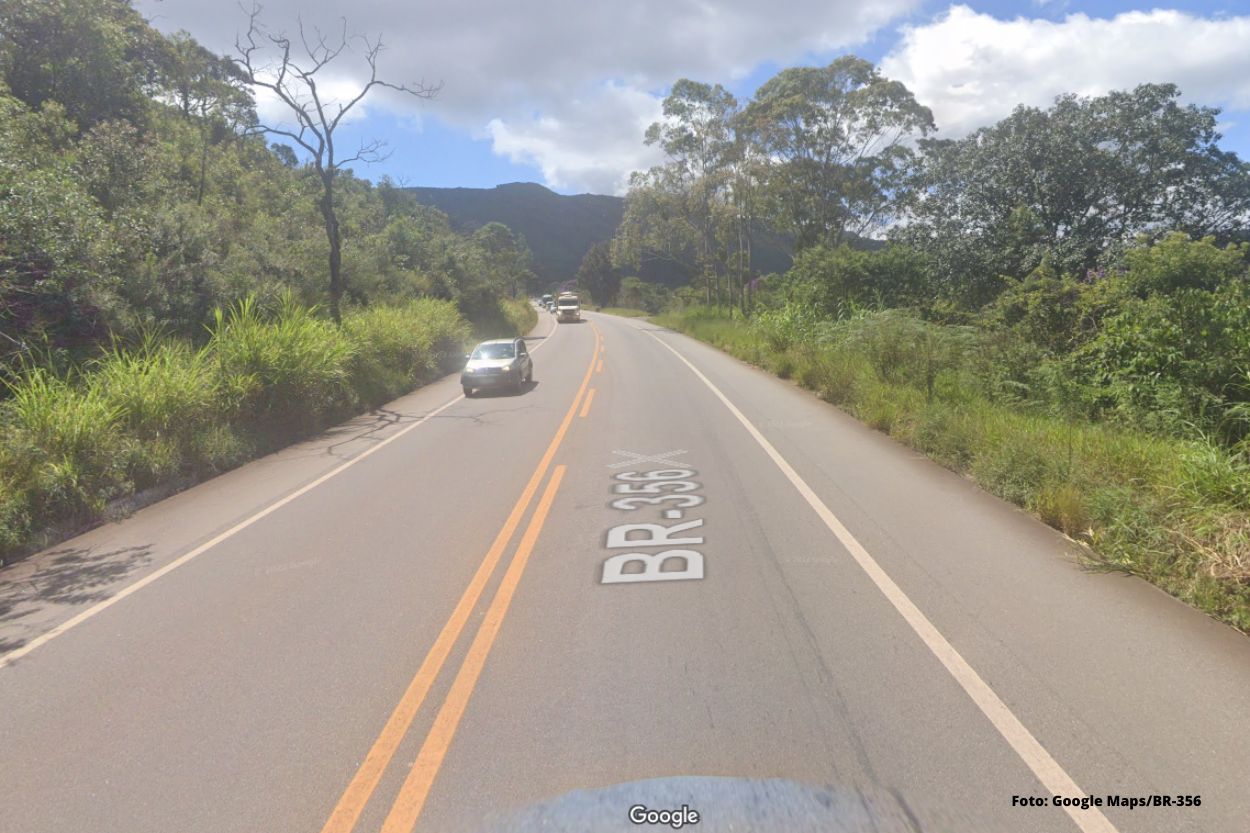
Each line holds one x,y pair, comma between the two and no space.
568,307
501,362
547,301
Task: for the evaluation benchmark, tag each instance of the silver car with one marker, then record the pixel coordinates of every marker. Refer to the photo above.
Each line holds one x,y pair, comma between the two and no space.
501,362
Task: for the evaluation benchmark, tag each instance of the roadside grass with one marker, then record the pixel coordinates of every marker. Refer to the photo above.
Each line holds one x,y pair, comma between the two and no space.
502,318
1175,512
626,312
520,314
163,410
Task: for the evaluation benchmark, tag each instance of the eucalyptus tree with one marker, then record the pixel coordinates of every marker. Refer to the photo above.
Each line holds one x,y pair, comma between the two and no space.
836,141
697,136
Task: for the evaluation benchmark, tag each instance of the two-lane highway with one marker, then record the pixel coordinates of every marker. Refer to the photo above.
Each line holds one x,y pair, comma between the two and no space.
654,561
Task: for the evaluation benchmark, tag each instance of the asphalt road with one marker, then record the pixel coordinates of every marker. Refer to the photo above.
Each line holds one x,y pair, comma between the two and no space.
434,616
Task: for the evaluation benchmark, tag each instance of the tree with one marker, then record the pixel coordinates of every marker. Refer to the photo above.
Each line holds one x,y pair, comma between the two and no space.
1075,183
696,135
97,58
835,140
505,256
293,82
656,224
209,88
597,274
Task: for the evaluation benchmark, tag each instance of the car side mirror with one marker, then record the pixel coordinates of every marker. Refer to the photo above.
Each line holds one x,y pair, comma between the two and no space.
466,356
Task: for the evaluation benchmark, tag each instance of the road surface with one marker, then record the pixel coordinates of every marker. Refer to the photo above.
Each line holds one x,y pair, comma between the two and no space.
653,561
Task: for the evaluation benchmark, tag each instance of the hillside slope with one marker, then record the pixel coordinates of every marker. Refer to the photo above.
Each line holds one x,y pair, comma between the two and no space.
560,229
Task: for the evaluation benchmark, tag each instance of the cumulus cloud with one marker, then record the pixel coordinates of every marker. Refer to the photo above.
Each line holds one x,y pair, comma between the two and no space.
972,69
594,144
562,83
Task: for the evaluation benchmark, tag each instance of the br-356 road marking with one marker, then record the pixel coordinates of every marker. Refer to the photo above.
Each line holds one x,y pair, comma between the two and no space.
669,493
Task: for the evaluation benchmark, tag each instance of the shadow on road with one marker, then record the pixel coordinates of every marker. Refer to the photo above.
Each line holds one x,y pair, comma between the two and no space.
495,393
66,577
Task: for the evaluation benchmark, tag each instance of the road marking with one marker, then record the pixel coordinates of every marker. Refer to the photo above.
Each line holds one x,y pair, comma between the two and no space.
94,610
590,397
635,458
416,788
599,367
349,807
1046,768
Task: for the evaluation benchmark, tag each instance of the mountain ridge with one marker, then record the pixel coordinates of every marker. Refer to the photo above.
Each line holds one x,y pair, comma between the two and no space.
560,228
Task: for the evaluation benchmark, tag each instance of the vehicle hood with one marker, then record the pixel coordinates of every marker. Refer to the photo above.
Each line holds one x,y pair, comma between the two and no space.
724,805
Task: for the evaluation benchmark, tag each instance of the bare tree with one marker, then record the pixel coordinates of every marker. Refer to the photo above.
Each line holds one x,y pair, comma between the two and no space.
294,82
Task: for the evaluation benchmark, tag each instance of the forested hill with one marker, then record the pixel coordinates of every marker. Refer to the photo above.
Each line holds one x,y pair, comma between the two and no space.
559,229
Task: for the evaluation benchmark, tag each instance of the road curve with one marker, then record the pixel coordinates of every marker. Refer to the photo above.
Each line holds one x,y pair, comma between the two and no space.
450,609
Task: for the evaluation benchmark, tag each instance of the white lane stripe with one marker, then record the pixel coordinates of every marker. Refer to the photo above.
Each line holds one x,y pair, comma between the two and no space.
1034,755
43,639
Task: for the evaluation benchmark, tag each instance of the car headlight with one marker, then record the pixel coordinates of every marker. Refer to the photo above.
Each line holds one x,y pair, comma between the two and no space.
470,370
506,368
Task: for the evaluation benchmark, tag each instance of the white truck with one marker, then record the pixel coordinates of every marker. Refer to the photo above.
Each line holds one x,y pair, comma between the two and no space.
568,307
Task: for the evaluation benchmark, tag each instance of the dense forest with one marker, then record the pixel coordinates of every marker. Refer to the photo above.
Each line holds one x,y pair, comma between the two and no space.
1058,305
163,271
137,194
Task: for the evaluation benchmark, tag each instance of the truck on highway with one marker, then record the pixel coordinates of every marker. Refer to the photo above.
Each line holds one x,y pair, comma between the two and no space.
568,307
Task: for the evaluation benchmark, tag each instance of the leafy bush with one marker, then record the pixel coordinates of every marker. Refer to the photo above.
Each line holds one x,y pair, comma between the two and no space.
835,281
1176,263
1168,361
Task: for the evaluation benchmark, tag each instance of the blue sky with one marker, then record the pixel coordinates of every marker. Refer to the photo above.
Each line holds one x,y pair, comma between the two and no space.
561,95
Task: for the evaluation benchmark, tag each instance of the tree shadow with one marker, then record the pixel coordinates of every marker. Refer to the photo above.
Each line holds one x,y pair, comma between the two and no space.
68,577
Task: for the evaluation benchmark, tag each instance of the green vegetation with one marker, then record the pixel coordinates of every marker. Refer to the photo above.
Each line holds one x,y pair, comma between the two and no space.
561,228
1173,511
138,416
626,312
166,309
1062,314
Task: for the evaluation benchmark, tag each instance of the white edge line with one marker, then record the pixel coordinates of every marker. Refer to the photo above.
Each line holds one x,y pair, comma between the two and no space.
1046,768
46,637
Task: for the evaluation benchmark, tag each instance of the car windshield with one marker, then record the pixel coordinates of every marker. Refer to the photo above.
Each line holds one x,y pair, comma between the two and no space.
493,351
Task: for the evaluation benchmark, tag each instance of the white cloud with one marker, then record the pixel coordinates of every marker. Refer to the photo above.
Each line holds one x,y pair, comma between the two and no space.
972,69
594,146
560,82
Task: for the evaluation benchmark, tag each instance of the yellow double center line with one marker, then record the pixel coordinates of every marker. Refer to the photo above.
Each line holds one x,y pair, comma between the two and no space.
412,795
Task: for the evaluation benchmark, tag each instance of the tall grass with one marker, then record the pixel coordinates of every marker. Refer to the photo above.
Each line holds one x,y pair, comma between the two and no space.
63,448
501,318
285,366
393,347
142,414
1173,511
